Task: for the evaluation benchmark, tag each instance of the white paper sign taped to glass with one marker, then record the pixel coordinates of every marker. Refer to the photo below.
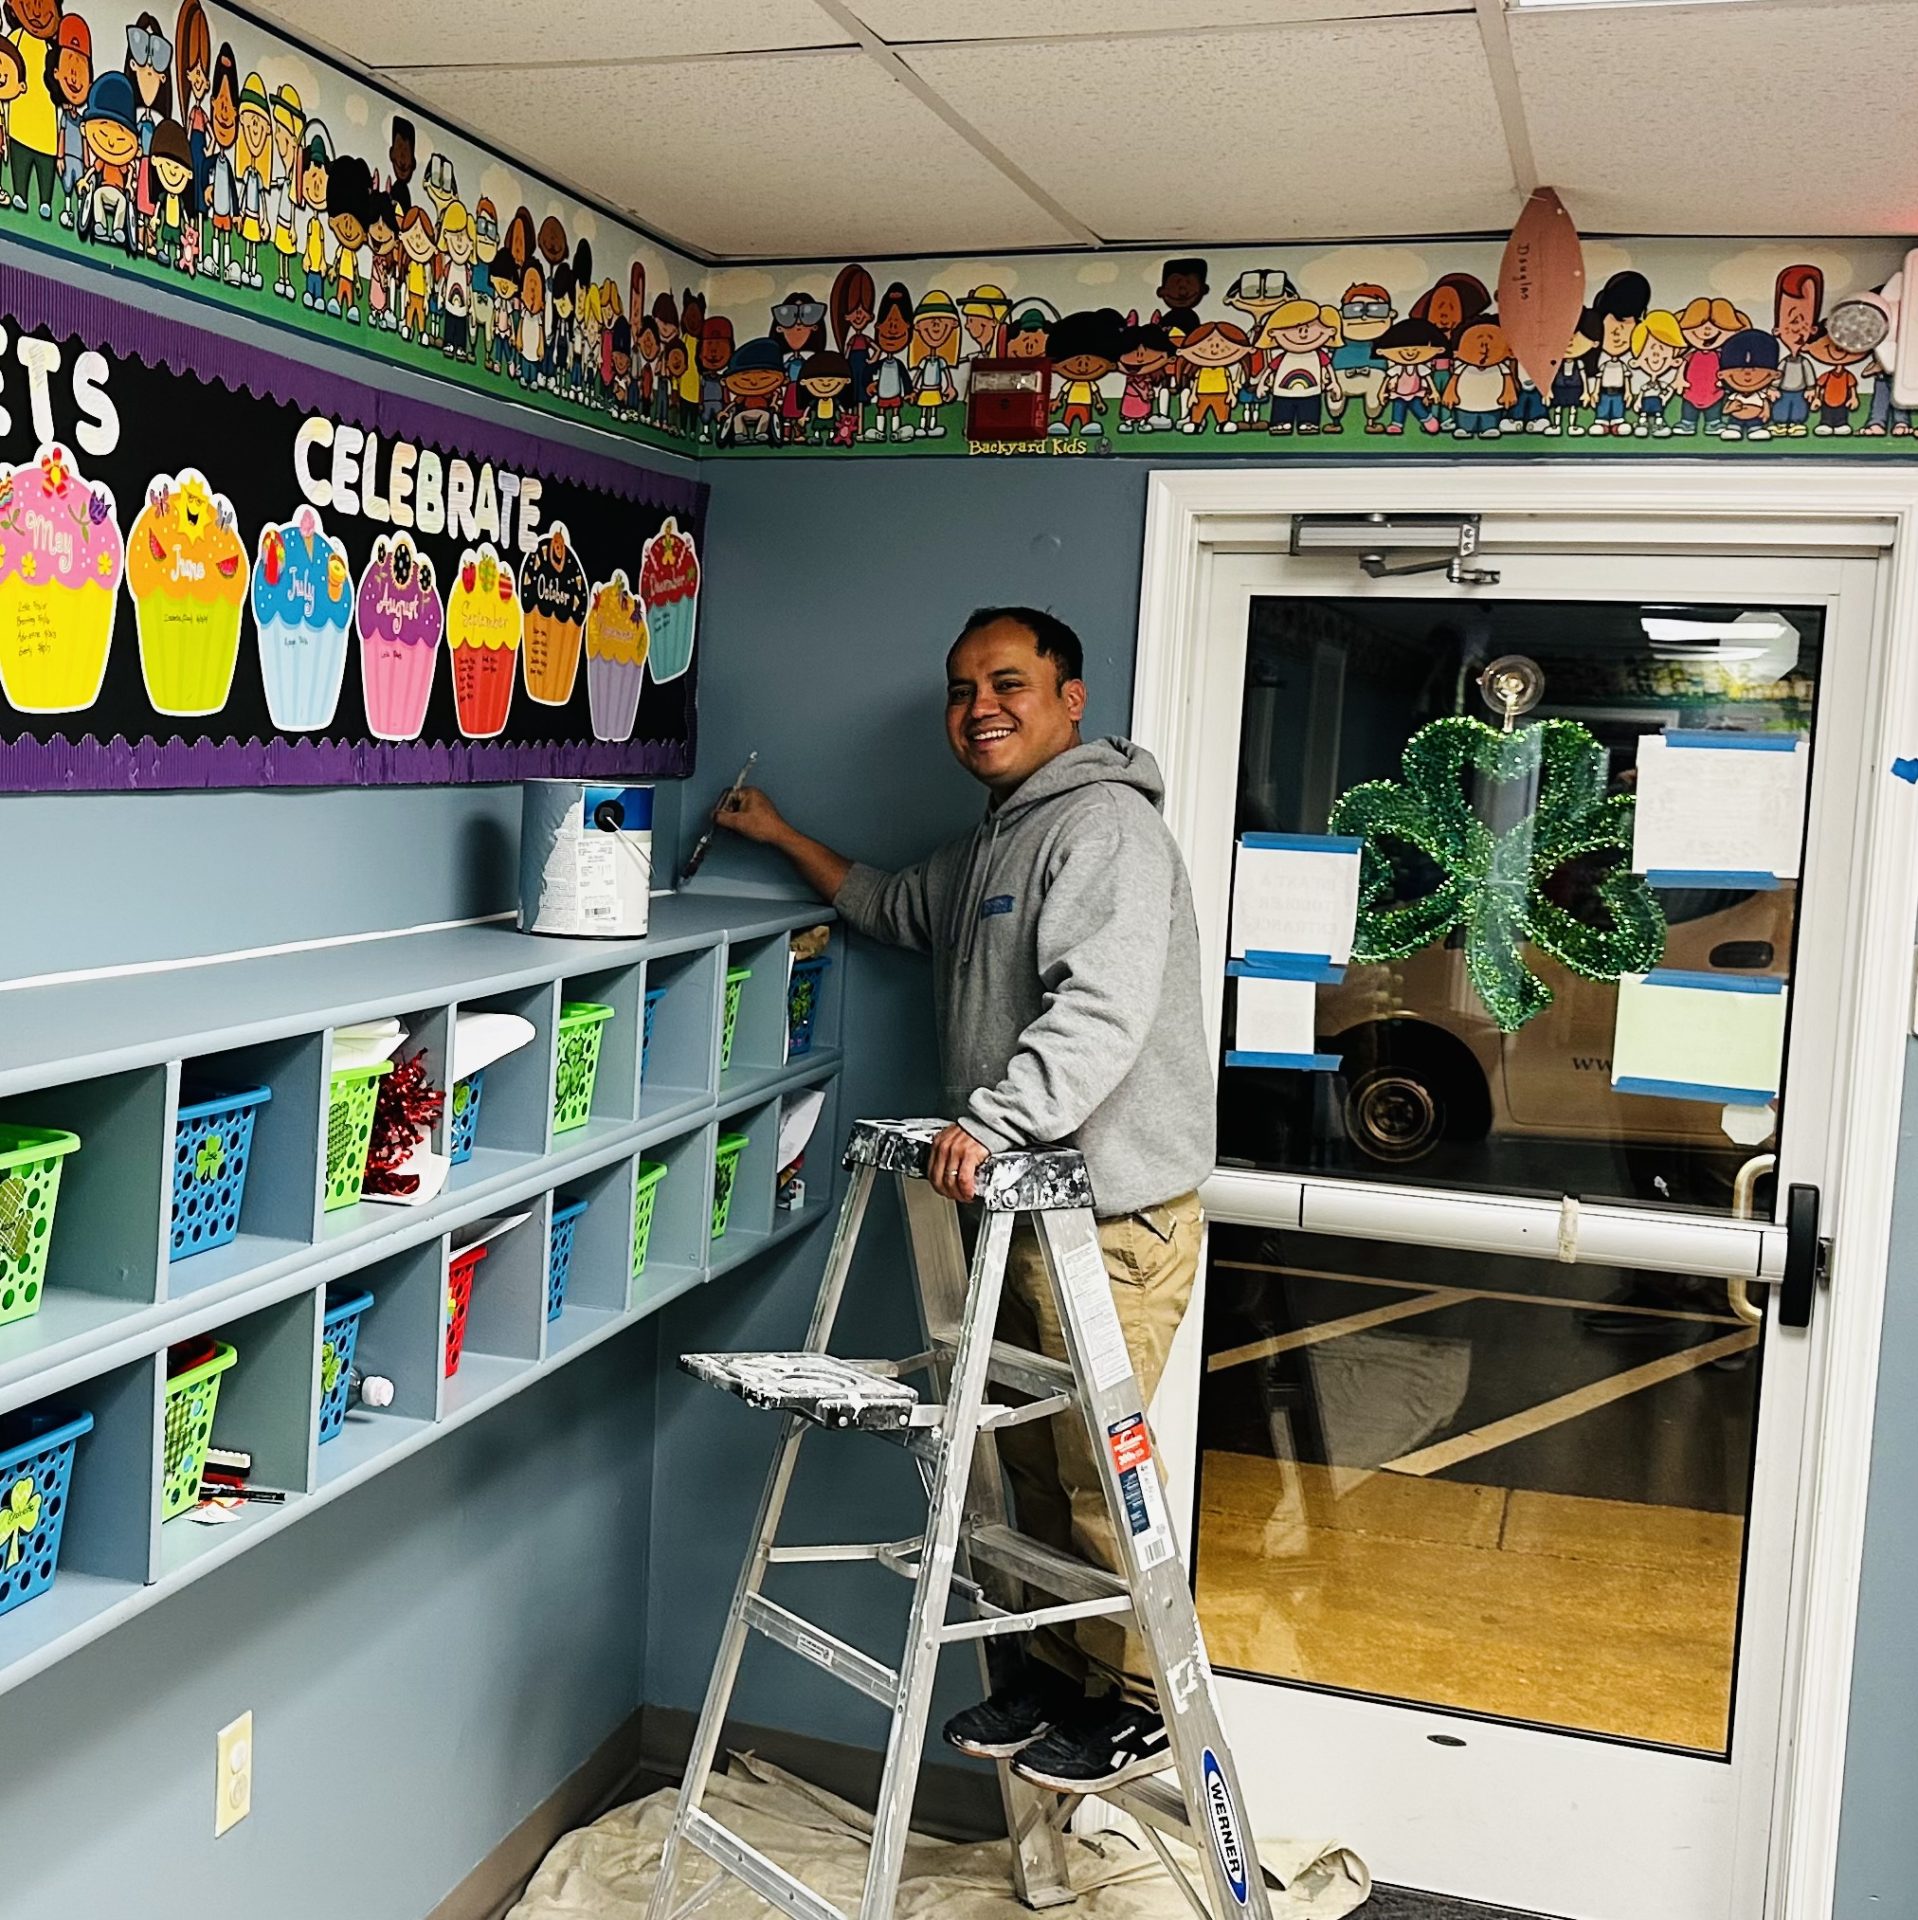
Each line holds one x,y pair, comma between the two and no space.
585,859
1276,1022
1295,898
1719,809
1700,1036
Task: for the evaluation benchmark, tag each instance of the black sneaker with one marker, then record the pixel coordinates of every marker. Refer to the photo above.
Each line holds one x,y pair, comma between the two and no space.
1106,1742
1012,1717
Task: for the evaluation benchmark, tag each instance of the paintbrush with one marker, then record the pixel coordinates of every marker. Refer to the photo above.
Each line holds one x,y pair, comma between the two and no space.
705,840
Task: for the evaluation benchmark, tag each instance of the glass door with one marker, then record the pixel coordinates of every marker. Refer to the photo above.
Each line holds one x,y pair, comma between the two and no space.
1494,1434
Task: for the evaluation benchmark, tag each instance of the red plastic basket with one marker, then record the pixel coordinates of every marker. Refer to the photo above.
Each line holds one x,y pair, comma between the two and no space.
459,1296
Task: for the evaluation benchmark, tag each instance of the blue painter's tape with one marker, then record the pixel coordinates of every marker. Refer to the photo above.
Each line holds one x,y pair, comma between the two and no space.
1697,1090
1714,982
1742,742
1285,966
1303,842
1727,878
1297,1062
1906,768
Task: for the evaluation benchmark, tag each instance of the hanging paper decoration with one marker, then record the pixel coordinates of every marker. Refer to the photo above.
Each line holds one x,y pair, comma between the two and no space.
1541,286
1494,880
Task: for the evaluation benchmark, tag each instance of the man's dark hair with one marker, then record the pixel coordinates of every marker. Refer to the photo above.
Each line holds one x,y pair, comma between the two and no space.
1050,636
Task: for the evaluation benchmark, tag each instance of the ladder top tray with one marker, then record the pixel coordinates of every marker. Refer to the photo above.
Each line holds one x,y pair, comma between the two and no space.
1026,1180
822,1387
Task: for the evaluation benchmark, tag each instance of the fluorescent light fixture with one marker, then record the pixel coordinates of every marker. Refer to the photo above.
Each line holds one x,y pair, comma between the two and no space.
1752,629
1766,643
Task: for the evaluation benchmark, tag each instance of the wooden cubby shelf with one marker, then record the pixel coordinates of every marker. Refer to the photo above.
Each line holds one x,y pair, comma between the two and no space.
114,1062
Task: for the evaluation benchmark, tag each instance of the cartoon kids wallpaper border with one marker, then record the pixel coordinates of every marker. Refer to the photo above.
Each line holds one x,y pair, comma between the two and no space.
222,568
207,153
1683,347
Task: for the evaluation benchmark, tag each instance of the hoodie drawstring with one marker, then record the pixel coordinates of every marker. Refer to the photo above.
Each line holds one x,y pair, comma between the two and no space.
974,895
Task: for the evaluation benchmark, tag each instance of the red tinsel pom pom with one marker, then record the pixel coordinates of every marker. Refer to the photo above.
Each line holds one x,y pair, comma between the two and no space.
408,1106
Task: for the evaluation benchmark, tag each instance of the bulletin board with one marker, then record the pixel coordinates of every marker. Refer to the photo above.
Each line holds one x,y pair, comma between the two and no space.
221,568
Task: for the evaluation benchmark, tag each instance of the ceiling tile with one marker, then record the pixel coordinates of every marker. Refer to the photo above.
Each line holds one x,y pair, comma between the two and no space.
458,33
904,20
799,155
1726,119
1385,126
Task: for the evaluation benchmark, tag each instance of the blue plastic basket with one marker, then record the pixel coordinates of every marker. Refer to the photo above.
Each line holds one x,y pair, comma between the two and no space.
36,1478
462,1121
339,1336
654,995
559,1263
802,1002
212,1142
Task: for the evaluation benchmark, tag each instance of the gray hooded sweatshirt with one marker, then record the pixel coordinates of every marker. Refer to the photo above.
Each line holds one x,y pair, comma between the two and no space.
1066,974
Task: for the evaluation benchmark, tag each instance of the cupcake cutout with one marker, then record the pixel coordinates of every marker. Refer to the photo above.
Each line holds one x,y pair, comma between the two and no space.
616,645
401,622
553,586
61,559
302,606
483,634
669,589
187,572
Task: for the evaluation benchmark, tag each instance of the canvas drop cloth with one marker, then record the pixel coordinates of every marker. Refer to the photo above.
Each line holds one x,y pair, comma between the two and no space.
606,1871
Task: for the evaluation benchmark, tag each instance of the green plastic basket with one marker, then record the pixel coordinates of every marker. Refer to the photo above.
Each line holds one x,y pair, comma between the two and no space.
736,978
645,1198
29,1185
354,1093
582,1025
725,1173
190,1400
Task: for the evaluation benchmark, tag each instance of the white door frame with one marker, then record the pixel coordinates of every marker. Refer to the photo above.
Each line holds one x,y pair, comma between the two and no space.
1830,508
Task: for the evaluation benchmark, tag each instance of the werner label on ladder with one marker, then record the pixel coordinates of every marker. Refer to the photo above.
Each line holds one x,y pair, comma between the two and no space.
971,1559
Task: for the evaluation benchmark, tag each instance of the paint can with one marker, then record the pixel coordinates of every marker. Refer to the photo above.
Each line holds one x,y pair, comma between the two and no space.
585,859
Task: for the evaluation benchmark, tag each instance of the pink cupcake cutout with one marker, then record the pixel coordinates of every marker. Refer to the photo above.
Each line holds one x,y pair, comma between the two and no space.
401,623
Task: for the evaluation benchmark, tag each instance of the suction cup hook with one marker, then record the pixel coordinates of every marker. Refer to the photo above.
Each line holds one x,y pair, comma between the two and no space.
1512,685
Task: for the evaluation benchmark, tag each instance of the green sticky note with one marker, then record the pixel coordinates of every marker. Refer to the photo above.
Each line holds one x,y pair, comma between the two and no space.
1676,1032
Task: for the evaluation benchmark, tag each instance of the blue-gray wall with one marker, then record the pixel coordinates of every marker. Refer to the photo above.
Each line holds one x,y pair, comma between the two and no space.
1877,1839
832,593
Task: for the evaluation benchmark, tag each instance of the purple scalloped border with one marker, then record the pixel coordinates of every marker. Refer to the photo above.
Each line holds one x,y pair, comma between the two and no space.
88,765
67,312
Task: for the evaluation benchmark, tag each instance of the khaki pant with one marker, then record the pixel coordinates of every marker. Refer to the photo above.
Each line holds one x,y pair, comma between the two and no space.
1153,1258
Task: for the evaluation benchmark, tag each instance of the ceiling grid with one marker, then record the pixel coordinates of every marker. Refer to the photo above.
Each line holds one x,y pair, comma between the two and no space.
788,129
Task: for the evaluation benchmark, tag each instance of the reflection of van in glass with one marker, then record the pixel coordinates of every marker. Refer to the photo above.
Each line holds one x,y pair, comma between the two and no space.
1423,1062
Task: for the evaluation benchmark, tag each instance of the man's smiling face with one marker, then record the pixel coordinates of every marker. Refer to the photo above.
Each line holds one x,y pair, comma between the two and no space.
1007,712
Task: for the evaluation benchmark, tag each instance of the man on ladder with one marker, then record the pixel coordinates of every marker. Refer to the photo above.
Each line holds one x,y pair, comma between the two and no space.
1066,988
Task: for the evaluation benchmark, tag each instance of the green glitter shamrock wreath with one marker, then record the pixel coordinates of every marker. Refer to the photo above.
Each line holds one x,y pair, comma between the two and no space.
1494,882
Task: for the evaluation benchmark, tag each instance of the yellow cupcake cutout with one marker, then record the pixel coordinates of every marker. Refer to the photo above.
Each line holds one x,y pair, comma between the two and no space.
187,571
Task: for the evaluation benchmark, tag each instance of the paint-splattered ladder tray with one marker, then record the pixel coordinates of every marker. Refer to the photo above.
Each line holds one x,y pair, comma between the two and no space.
820,1386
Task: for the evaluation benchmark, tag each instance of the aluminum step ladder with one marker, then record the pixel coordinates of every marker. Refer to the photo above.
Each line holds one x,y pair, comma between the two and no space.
970,1552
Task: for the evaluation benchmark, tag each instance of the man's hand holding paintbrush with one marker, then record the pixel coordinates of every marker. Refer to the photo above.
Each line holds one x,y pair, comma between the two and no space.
751,814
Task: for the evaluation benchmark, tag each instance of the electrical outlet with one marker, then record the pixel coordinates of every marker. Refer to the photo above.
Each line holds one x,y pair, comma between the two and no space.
233,1784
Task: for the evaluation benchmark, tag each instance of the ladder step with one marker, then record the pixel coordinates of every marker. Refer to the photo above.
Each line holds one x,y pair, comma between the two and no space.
1153,1802
1035,1373
1045,1567
826,1651
819,1386
766,1877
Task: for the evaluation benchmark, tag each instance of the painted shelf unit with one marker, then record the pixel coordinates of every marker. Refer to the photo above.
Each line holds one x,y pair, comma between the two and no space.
107,1061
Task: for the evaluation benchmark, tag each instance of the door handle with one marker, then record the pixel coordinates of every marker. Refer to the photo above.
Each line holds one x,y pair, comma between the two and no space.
1804,1257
